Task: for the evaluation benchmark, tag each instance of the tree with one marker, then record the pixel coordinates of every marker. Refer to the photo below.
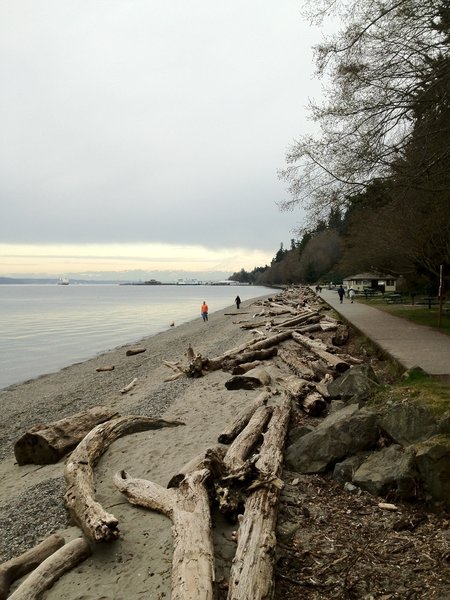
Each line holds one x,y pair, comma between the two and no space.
382,67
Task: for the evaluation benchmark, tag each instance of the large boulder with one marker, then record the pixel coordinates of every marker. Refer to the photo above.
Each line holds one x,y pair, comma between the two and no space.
339,435
389,469
345,470
408,422
433,464
357,383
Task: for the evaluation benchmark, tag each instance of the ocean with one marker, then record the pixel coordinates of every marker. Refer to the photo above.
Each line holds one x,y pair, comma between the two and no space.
44,328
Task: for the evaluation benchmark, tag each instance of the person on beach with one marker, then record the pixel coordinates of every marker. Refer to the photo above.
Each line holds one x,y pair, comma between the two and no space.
341,294
204,311
238,302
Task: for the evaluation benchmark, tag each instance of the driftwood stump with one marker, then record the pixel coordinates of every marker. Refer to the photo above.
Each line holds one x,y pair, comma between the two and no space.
46,444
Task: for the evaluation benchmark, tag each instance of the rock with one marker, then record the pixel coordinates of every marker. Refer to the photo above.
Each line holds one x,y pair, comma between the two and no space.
409,422
341,336
433,464
388,469
297,432
344,433
357,383
351,489
345,470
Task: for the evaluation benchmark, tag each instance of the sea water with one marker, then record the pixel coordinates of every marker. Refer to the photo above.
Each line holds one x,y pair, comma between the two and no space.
44,328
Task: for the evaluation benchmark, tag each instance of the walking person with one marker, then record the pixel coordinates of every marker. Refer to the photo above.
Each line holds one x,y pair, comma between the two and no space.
204,311
341,293
238,302
351,294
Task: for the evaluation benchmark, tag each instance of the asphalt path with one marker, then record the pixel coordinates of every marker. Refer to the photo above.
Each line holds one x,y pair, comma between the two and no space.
410,344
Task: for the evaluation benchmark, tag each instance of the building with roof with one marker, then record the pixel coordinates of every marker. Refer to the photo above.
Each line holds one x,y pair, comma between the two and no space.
371,281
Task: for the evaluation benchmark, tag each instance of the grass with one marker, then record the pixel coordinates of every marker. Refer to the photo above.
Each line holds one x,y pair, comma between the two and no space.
422,315
419,388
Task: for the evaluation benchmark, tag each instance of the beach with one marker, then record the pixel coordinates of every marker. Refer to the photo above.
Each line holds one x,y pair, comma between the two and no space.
31,502
331,542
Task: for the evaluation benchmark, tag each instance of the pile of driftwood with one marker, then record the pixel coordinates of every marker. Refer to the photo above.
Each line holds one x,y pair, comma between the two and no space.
242,480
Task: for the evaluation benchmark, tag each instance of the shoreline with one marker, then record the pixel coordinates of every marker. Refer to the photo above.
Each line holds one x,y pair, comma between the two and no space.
31,498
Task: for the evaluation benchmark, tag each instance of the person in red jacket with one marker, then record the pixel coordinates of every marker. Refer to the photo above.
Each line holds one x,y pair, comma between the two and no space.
204,311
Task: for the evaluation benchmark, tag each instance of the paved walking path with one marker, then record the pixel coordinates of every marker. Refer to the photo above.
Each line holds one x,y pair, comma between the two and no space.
412,345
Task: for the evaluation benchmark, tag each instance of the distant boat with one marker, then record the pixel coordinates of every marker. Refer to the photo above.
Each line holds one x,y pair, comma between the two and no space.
63,281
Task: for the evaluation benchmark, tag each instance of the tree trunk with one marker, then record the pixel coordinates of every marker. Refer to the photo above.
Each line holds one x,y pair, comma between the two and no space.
230,432
97,524
314,404
252,569
211,459
46,444
21,565
293,360
295,387
306,316
246,357
53,567
188,507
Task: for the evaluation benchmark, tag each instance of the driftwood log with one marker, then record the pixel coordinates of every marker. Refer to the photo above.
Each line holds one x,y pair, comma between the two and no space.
134,351
252,568
97,524
231,363
230,432
334,361
46,444
293,359
314,404
188,508
106,368
51,569
19,566
295,387
211,459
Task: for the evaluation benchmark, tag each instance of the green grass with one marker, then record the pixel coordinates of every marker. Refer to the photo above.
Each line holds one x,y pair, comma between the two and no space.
422,315
418,388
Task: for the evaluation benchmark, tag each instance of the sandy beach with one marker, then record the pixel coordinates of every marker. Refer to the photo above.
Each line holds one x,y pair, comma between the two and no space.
31,501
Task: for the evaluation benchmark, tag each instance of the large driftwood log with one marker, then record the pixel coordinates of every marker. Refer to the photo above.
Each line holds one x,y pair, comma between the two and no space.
134,351
333,360
245,367
97,524
294,361
213,364
188,507
46,444
19,566
51,569
306,316
238,464
249,356
230,432
252,569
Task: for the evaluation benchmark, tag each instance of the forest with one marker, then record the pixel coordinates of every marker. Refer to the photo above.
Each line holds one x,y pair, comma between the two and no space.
374,182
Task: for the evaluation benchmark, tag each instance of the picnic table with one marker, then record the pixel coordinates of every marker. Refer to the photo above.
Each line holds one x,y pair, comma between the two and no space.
429,301
394,299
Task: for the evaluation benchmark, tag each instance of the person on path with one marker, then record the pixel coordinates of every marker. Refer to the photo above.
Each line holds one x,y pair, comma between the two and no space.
204,311
341,294
351,294
238,302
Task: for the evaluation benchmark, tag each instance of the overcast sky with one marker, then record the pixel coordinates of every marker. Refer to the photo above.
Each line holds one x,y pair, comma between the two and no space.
148,129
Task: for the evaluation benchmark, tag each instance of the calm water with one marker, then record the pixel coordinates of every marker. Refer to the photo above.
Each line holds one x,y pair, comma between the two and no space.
46,327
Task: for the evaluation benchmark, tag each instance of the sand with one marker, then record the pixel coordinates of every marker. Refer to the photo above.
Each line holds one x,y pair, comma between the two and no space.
31,505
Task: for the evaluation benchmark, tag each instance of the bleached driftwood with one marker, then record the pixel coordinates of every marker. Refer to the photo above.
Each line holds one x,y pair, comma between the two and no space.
245,367
105,368
188,507
320,349
97,524
294,361
128,387
306,316
19,566
48,443
250,356
295,387
314,404
252,568
230,432
211,459
51,569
